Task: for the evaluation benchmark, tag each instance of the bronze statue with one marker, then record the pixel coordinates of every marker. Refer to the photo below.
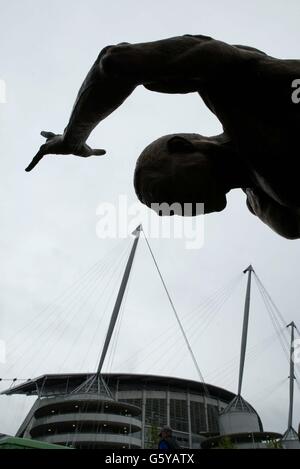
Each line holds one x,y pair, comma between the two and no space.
250,93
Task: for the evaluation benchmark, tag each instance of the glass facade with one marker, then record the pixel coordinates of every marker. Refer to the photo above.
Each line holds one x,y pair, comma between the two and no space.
202,418
213,420
179,415
156,412
198,417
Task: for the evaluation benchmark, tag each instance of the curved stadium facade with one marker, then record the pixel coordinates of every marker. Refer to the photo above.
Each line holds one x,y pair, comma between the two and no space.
141,405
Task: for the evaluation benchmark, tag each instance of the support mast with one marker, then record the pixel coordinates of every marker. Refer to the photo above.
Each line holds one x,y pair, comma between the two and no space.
96,382
292,375
119,299
245,328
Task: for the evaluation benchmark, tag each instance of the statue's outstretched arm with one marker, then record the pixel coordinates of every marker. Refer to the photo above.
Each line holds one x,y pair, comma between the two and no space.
169,65
99,95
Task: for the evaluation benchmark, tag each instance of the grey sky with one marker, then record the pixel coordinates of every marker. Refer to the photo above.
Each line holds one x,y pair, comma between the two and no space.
48,235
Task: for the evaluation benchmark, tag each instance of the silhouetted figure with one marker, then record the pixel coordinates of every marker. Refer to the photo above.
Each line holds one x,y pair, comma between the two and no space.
250,93
167,442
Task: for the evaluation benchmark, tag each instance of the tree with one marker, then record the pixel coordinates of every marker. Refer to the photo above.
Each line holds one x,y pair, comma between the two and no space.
153,436
225,443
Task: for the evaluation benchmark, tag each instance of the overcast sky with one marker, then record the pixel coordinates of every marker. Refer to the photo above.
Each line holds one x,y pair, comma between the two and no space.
49,219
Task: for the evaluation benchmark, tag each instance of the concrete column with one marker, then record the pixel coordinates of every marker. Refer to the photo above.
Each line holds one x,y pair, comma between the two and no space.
117,391
189,419
206,412
168,408
143,417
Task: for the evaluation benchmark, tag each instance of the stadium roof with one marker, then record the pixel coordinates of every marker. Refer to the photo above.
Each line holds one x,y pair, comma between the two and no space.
42,385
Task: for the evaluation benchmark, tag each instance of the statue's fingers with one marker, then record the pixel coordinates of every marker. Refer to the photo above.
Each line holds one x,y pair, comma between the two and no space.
98,152
47,134
35,161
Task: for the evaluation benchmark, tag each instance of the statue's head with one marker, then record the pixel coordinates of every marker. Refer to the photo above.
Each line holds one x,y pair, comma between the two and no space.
182,168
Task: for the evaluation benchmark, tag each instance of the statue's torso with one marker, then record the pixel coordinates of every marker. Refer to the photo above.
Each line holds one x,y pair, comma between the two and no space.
256,110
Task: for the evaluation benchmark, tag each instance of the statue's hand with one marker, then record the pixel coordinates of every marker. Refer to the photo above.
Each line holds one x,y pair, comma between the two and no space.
56,145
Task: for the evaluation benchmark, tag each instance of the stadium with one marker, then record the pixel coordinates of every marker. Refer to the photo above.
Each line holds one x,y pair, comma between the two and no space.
66,414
